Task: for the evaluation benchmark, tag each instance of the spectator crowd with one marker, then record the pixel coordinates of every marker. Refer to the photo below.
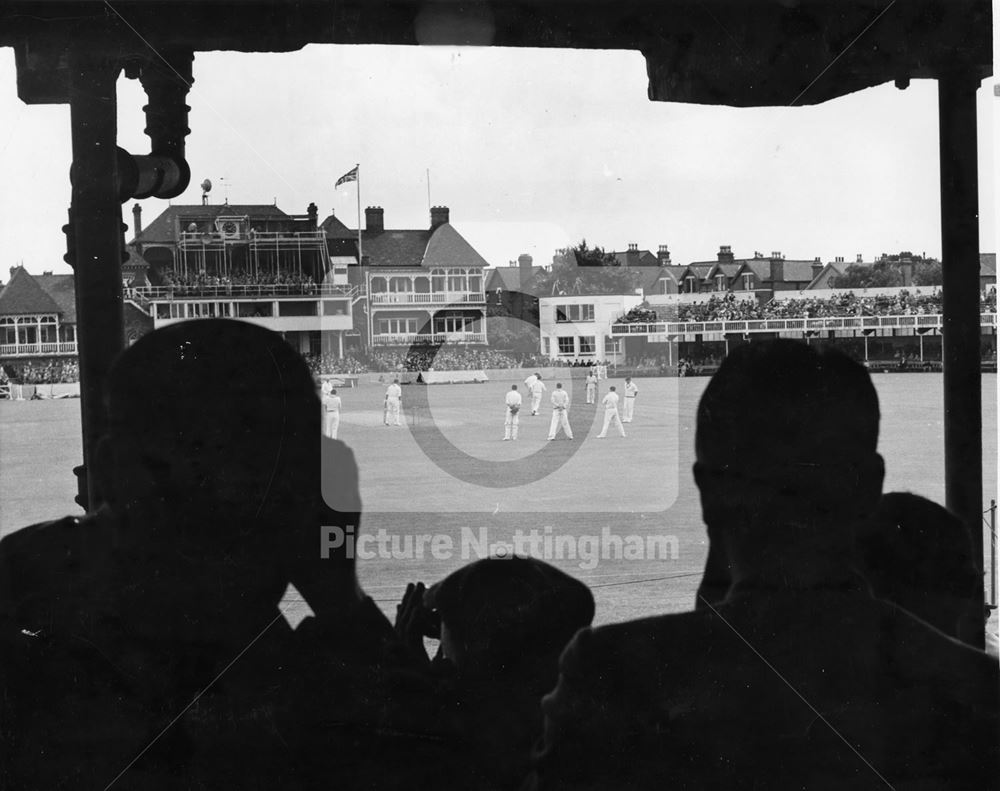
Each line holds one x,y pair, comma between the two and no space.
193,283
728,308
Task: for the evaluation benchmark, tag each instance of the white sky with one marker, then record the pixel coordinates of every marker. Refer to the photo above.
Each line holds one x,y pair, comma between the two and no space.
530,149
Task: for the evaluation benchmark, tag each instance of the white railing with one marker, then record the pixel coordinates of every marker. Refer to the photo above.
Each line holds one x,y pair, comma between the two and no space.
416,298
419,339
309,239
270,290
31,349
919,322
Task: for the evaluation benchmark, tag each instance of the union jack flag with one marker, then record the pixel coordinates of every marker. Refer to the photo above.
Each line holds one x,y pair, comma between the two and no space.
350,175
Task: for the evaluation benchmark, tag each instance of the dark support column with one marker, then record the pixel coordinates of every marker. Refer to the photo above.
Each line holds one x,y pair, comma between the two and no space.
963,428
98,242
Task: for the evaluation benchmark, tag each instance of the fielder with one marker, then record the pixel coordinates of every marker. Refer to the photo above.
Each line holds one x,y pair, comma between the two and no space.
630,393
331,411
393,402
610,402
537,388
513,401
560,413
591,385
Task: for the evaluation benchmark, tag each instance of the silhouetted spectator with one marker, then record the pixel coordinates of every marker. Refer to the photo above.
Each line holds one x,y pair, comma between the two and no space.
502,623
918,555
146,641
799,678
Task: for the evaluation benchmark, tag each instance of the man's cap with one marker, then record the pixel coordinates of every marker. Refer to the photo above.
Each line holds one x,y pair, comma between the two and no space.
519,605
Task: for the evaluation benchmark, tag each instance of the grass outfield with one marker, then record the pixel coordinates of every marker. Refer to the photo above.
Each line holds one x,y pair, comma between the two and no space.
447,473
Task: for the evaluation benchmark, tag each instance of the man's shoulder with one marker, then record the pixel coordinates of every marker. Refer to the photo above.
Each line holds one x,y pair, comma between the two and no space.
636,643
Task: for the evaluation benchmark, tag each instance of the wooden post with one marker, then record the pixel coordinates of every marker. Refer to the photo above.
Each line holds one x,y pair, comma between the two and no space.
963,441
97,244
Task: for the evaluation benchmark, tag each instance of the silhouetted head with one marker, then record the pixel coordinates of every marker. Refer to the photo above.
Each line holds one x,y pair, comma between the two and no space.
501,612
786,453
558,385
918,555
212,456
513,387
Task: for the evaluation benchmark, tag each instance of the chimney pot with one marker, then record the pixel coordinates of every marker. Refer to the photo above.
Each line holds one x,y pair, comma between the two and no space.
859,258
313,213
137,219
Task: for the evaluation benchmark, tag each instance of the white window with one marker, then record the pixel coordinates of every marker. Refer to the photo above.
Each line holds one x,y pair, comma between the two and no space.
437,280
452,324
588,344
572,313
610,345
397,326
748,281
567,345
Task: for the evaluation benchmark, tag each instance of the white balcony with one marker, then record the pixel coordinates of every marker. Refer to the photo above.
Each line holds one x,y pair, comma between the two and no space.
425,339
428,298
37,349
265,291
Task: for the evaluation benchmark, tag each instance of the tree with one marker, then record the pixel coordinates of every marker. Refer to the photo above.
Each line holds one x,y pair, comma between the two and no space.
888,271
586,270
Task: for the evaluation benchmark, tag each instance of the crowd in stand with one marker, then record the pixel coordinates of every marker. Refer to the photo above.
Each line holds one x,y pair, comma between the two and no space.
194,282
51,372
835,639
728,308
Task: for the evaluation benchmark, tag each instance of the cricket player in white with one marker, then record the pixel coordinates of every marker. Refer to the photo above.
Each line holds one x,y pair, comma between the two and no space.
393,401
591,386
560,412
530,381
331,411
610,402
513,402
537,388
628,409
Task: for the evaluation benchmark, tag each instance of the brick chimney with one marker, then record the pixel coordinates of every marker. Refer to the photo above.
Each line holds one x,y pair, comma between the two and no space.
313,213
632,255
663,255
524,262
137,219
725,254
439,216
859,259
777,267
374,219
817,267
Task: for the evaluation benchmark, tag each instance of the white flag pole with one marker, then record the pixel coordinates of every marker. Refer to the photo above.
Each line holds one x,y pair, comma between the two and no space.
360,253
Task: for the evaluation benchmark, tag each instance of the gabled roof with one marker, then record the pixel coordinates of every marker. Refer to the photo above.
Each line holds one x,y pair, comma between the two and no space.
701,269
648,276
674,272
164,228
798,271
645,258
508,278
447,247
335,229
394,248
23,295
62,290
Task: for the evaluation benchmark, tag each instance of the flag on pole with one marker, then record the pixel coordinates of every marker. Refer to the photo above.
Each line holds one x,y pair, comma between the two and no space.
350,175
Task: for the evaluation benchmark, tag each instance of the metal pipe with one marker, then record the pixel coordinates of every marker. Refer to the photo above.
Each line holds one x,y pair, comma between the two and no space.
97,245
963,441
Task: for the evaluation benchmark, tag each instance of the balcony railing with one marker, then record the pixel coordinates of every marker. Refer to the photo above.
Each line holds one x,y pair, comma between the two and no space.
429,298
35,349
290,239
917,322
269,291
420,339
